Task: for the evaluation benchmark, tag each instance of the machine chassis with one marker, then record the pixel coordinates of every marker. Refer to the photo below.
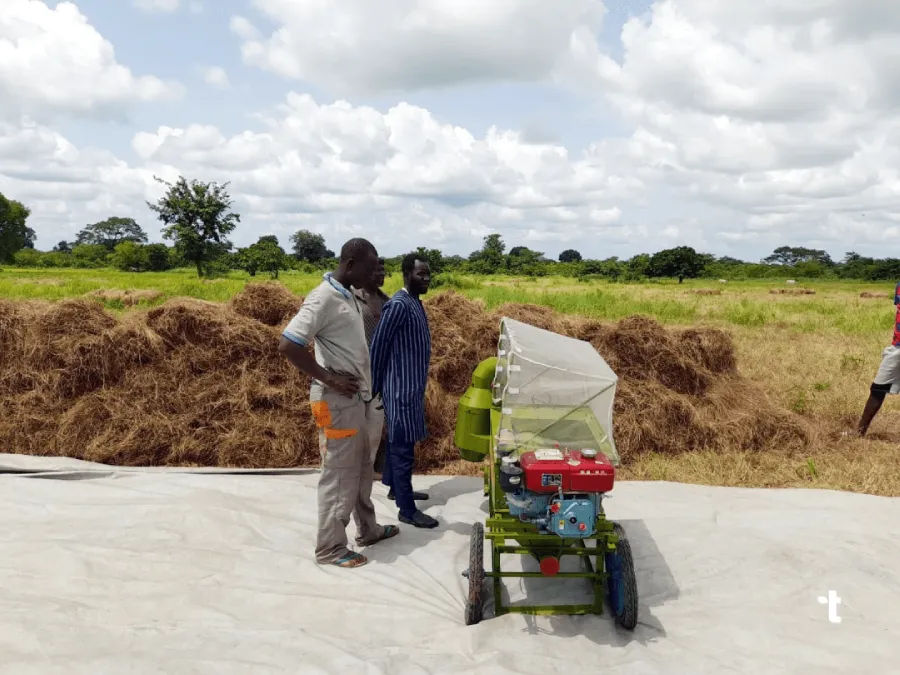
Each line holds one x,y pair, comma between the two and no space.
507,535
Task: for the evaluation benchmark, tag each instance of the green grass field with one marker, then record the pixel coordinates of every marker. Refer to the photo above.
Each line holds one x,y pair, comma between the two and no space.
836,306
813,354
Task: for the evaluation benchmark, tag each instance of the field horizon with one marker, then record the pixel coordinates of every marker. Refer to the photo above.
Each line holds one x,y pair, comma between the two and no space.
812,355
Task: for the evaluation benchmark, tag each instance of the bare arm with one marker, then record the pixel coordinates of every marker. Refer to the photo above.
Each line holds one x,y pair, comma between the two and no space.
303,359
295,346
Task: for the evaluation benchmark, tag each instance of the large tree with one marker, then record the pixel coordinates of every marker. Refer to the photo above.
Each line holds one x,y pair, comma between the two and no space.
490,259
197,217
682,262
130,256
14,231
794,255
433,257
570,255
112,232
522,260
310,247
266,255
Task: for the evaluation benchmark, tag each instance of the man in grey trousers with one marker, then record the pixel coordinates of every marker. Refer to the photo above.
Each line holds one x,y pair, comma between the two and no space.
341,400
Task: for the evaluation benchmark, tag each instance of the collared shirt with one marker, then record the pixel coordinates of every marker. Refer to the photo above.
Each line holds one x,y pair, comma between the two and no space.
372,304
332,320
401,354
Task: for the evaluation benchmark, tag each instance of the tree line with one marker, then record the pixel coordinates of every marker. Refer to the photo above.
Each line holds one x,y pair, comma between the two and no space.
197,219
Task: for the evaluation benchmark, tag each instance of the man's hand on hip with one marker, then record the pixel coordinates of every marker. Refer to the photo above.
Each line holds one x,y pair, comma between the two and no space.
347,385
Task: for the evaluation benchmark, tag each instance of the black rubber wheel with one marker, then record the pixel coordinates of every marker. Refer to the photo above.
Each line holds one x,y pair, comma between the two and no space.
629,616
475,601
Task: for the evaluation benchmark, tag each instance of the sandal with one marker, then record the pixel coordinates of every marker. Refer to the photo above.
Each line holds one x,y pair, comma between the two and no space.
389,531
352,559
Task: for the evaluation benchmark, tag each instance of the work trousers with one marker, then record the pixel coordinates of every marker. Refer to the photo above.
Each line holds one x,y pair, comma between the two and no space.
346,428
397,474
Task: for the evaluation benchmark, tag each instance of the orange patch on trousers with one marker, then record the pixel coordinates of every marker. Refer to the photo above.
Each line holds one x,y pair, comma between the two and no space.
322,415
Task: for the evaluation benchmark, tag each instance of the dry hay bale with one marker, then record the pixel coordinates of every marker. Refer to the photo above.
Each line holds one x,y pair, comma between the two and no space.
267,302
878,296
713,348
462,334
199,384
209,336
128,298
706,291
440,412
643,350
541,317
103,360
13,323
791,291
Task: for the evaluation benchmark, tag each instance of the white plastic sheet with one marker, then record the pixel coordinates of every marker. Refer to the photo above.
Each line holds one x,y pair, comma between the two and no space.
117,572
567,378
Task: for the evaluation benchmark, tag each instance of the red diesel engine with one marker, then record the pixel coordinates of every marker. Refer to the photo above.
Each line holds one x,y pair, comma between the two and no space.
567,471
559,491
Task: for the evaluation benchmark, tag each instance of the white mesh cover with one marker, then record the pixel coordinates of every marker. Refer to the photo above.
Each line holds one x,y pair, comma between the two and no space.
553,389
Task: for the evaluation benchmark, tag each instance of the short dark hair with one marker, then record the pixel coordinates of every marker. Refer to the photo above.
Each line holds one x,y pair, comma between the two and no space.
409,262
356,249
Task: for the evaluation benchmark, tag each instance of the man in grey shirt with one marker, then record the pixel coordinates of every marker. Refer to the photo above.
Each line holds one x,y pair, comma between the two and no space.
341,402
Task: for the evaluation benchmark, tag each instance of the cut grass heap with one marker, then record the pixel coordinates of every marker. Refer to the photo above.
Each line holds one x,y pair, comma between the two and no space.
195,383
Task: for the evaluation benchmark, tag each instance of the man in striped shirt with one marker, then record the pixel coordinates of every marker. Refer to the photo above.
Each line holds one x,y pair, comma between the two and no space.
401,354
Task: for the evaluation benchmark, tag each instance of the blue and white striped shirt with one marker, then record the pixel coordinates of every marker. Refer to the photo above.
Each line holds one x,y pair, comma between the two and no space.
401,354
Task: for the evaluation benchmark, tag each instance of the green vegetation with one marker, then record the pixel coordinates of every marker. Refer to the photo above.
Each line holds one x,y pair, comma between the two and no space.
197,218
836,305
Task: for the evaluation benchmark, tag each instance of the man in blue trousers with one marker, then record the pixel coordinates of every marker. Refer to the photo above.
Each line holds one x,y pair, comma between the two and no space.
401,354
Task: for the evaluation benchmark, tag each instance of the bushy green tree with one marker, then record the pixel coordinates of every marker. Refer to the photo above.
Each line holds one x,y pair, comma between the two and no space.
14,231
129,256
158,257
310,247
112,232
90,255
266,255
197,216
682,262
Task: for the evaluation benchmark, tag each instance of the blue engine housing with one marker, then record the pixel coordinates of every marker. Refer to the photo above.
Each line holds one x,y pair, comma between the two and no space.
573,511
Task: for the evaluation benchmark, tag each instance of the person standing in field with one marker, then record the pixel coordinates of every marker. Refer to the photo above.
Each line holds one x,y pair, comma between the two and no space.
887,379
401,355
372,299
341,402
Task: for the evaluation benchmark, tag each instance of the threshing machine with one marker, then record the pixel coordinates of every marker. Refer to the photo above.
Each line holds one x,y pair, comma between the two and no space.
540,414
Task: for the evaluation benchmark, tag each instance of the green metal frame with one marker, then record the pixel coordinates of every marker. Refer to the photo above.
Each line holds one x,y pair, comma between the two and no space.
501,528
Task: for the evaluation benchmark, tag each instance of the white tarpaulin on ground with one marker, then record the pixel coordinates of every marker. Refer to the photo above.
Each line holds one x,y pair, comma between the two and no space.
173,572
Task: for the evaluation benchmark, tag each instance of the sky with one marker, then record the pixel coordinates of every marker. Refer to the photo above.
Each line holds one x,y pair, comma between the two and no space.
614,129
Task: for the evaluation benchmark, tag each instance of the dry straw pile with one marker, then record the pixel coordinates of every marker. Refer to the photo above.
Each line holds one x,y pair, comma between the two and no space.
201,384
792,291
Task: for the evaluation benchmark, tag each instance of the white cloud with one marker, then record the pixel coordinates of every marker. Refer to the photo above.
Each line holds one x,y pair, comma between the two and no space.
351,169
53,62
785,113
357,47
161,6
340,160
216,77
747,125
